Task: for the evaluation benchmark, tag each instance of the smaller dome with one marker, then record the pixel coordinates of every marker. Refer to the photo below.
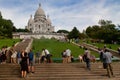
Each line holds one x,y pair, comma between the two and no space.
30,20
48,20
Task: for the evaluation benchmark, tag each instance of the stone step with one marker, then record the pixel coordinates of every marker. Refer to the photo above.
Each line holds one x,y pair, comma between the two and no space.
54,71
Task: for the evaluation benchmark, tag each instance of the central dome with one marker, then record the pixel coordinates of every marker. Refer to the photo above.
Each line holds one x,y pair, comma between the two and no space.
39,12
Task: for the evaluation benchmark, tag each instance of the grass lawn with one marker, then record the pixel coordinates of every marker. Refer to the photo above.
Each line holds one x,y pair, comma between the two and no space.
101,45
55,47
8,42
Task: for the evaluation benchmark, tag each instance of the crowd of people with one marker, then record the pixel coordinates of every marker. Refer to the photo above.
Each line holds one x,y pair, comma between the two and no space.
24,59
27,59
27,63
105,57
44,56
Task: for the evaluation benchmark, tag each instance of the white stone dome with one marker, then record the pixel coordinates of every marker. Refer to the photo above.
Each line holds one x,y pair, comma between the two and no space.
39,12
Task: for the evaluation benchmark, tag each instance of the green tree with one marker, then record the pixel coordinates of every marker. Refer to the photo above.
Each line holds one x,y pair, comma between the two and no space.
93,31
22,30
0,15
6,28
74,33
104,22
62,31
107,31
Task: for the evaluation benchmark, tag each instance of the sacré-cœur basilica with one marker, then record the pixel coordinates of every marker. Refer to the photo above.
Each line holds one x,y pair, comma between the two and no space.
39,26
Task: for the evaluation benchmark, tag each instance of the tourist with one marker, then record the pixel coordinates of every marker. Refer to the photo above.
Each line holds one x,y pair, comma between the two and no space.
43,56
68,53
93,59
48,56
24,64
101,52
18,57
10,52
80,58
108,60
72,58
3,55
64,57
102,59
13,57
38,57
31,61
87,58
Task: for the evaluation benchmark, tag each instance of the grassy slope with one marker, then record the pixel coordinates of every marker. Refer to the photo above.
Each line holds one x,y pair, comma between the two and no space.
56,47
101,45
8,42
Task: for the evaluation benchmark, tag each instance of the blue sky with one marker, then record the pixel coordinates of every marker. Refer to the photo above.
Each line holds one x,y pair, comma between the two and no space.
64,14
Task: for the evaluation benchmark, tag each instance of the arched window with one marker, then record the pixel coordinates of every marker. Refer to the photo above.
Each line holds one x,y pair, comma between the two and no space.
48,29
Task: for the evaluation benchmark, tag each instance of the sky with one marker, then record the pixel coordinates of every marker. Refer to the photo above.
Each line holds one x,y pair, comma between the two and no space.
64,14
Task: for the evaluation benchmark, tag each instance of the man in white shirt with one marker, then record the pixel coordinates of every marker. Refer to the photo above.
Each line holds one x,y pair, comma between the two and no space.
68,53
48,56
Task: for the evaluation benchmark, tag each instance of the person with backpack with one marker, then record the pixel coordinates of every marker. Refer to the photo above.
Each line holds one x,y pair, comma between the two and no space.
31,61
102,59
48,56
18,57
87,58
108,60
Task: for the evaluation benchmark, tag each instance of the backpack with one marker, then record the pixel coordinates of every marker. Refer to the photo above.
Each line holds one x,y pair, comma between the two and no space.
30,55
18,55
84,57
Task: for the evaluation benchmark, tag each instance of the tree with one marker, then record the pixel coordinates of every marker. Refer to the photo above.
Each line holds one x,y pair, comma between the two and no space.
74,33
6,28
62,31
0,15
104,22
14,29
107,31
22,30
93,31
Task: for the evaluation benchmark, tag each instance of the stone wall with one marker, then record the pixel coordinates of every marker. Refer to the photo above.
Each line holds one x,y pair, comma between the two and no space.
39,35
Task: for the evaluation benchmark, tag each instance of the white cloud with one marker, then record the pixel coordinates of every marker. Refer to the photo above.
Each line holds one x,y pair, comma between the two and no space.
82,14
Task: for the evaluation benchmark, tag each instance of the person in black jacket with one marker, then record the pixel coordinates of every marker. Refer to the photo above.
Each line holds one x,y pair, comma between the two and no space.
24,64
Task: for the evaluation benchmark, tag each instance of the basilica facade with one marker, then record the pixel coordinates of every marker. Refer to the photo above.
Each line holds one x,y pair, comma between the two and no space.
40,23
40,26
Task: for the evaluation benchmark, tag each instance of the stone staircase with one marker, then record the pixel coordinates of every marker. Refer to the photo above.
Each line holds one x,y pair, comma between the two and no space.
22,45
60,71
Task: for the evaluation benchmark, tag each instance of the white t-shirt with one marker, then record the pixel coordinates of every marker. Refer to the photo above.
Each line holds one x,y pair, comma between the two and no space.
14,55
